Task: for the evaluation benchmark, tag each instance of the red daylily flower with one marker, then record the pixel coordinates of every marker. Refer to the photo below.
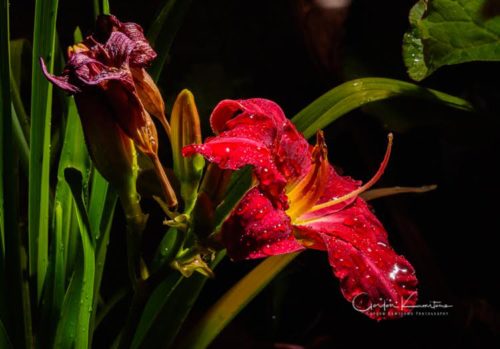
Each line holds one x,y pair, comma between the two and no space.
301,202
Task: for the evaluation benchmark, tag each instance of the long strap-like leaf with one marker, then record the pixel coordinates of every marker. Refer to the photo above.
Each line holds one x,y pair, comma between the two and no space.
234,300
41,107
162,32
73,330
14,299
356,93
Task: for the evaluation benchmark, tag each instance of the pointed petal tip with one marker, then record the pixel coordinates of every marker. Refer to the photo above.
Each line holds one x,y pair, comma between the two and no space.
59,81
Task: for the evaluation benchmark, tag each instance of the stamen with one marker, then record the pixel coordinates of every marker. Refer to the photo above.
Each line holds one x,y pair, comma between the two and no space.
366,186
383,192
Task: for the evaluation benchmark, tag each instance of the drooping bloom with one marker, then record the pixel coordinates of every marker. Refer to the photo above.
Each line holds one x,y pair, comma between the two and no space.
106,74
300,201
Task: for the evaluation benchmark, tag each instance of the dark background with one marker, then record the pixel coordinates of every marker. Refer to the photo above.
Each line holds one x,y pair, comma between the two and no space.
291,53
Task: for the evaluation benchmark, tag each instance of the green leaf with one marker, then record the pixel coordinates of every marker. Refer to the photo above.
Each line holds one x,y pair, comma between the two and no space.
445,32
356,93
239,185
154,306
41,104
162,31
101,212
20,52
234,300
5,342
73,155
172,310
73,328
15,311
101,7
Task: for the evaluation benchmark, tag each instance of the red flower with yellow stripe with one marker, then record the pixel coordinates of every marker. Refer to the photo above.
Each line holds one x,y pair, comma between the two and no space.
299,201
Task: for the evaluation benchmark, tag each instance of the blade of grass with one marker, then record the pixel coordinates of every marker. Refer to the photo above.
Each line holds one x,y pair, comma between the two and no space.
234,300
356,93
12,282
162,31
41,105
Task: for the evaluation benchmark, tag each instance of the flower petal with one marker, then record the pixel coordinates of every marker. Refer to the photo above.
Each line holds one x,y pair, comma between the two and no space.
232,153
130,114
379,282
60,81
141,54
263,121
257,229
228,108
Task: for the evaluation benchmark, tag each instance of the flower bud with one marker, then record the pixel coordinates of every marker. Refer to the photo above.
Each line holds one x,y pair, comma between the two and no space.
185,124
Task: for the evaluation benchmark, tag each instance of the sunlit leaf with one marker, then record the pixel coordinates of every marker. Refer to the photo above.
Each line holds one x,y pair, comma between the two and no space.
356,93
41,105
73,330
445,32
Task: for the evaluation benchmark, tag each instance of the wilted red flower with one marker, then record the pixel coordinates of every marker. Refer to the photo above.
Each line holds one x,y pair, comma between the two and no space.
106,74
301,202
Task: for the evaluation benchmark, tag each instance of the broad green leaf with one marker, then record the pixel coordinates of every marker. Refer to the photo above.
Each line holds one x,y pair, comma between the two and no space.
445,32
234,300
162,31
41,105
74,324
356,93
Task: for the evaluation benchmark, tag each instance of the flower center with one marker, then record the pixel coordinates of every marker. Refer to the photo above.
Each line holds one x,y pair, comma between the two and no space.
304,194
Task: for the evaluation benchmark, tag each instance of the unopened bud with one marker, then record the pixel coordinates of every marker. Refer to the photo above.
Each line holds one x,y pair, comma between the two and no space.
185,123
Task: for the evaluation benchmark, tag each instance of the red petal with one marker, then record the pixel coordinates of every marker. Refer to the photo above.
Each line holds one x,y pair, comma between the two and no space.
228,108
264,120
60,81
257,229
371,274
141,54
232,153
